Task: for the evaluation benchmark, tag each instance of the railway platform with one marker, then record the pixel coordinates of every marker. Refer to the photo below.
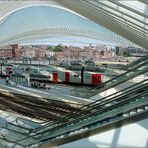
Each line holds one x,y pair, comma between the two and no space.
56,92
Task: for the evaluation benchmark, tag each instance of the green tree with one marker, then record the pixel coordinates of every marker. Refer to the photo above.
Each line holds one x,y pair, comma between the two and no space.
58,48
50,48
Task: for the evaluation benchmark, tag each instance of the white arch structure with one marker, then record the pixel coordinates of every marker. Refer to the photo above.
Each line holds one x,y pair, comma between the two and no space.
122,17
127,18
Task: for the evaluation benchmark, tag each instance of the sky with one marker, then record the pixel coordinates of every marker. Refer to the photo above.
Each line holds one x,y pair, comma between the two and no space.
68,41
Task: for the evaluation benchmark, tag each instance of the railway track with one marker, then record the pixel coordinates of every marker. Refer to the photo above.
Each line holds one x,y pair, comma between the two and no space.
36,108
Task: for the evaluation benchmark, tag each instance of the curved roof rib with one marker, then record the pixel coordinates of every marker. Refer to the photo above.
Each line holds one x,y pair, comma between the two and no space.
126,18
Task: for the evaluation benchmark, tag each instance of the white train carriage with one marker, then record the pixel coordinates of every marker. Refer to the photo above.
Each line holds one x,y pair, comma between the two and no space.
92,78
72,76
79,77
6,69
60,75
87,77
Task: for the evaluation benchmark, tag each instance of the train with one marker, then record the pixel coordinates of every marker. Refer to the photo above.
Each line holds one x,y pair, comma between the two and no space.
54,74
6,70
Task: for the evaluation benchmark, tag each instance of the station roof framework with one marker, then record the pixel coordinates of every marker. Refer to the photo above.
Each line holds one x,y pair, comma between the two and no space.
126,21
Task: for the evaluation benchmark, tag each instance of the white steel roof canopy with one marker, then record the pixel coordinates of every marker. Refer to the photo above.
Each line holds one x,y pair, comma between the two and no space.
129,19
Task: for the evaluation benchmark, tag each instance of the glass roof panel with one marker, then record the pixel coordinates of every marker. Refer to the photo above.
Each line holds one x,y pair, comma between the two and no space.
36,21
139,6
133,13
